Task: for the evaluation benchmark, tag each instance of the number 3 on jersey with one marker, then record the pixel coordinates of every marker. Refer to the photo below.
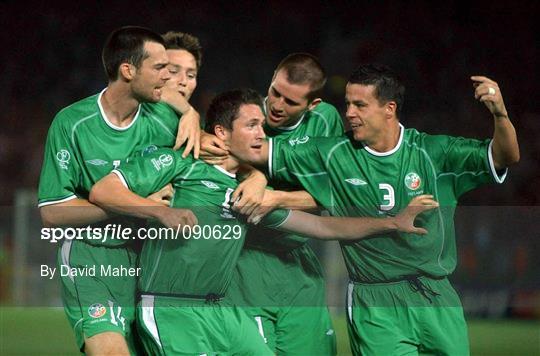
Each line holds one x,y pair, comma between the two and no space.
389,199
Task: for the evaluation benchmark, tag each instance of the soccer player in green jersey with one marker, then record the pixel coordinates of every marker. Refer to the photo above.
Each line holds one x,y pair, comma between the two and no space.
86,140
294,110
183,279
399,298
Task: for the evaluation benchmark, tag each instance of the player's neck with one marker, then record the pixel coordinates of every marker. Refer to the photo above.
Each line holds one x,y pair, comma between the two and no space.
231,165
387,141
119,106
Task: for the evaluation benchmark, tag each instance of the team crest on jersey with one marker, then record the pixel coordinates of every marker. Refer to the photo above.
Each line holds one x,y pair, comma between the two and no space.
63,158
355,181
164,160
298,141
210,185
97,310
97,162
413,181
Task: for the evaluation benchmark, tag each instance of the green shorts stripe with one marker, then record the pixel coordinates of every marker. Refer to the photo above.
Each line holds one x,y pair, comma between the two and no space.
149,320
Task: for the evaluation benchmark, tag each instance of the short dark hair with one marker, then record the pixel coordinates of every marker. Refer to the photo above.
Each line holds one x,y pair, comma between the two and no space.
225,107
126,44
388,85
185,41
304,68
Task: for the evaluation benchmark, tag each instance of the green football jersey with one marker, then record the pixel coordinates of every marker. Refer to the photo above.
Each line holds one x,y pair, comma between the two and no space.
323,121
350,179
83,146
191,261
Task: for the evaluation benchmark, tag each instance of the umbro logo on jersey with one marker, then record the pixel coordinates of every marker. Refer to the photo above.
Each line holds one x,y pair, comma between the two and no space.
355,181
210,185
298,141
164,160
97,162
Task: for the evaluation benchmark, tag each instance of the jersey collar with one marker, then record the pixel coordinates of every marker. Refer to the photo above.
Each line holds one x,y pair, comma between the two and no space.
108,122
388,153
224,171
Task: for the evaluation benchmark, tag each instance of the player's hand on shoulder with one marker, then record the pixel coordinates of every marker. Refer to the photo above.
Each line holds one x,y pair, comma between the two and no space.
488,92
249,194
189,132
213,150
405,219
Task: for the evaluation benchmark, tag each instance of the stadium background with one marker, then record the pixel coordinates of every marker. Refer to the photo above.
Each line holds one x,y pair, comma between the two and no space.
51,58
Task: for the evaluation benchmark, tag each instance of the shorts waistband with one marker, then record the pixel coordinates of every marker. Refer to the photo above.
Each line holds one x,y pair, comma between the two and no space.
416,283
208,298
406,278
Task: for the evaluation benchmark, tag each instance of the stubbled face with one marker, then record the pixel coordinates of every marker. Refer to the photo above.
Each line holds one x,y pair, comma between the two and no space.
152,74
183,69
286,102
366,115
246,138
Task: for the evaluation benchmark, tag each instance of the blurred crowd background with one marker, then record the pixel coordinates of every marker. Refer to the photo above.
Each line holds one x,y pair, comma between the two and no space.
51,58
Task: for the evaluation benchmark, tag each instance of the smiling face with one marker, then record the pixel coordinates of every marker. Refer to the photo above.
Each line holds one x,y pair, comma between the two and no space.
247,134
151,75
369,119
183,70
286,101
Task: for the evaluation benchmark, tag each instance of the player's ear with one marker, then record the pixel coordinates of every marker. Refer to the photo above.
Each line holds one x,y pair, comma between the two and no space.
220,132
314,103
127,71
391,109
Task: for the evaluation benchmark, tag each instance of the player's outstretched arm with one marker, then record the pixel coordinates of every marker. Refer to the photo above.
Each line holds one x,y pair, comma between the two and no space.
505,148
74,212
277,199
189,128
111,194
81,212
342,228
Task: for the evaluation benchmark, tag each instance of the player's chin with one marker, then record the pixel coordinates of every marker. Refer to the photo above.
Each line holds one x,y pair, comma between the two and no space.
358,135
253,156
154,98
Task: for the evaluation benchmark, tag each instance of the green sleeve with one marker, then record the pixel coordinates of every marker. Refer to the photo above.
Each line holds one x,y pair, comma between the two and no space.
61,167
333,124
293,162
468,162
276,218
146,174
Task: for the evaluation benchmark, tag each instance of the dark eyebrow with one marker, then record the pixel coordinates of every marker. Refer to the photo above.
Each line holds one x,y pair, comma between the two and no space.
356,102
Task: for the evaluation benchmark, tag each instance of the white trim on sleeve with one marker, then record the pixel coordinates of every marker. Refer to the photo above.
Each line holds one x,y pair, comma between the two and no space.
71,197
270,149
289,212
121,176
498,178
